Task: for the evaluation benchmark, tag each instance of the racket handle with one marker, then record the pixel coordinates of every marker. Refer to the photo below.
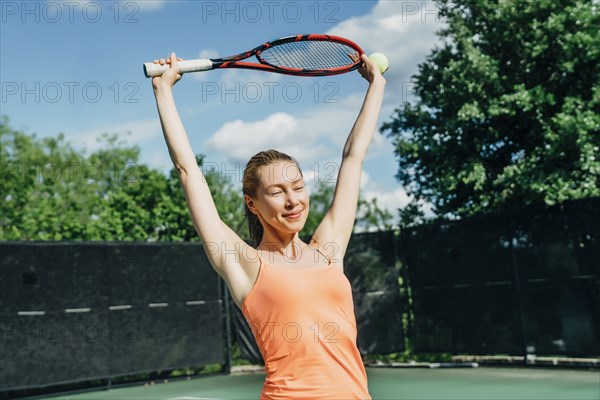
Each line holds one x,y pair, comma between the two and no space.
151,69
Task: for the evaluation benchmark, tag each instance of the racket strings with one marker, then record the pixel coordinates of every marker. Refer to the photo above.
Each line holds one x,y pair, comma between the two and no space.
309,55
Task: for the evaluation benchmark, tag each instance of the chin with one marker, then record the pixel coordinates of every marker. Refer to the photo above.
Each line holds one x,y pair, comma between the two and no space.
295,227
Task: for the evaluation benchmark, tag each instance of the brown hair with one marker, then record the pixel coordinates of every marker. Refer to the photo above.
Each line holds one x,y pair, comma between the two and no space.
250,182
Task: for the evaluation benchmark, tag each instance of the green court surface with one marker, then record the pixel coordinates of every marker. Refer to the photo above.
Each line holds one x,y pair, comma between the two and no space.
390,383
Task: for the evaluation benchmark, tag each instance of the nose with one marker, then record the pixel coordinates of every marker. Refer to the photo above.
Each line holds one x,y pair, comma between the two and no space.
292,199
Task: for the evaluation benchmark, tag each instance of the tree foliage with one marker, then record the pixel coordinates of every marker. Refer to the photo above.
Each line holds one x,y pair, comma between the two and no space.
51,191
508,108
370,216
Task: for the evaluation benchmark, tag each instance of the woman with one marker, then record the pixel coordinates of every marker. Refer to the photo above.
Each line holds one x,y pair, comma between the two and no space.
294,295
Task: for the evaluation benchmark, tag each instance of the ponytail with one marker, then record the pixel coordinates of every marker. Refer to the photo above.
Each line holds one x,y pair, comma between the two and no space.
254,227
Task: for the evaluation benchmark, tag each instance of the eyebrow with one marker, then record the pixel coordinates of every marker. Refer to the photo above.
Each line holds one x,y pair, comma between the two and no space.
281,184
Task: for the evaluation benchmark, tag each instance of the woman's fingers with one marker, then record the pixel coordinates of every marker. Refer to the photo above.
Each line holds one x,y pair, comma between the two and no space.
164,61
172,75
369,70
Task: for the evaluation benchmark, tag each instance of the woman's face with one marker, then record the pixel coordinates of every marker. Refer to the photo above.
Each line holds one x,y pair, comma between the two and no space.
281,197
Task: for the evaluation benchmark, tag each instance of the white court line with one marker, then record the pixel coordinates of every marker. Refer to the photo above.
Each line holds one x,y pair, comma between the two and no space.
155,305
121,307
77,310
31,313
195,302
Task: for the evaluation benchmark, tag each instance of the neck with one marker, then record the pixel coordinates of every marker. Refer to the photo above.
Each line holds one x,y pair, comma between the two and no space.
287,244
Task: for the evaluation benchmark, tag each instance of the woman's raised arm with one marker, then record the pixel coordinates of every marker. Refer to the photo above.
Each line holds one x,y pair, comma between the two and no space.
223,246
333,233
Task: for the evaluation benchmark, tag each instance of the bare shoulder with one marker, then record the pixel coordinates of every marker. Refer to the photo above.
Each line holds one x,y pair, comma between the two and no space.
238,265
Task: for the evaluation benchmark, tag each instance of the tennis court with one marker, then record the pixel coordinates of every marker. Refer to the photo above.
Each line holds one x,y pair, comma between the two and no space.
390,383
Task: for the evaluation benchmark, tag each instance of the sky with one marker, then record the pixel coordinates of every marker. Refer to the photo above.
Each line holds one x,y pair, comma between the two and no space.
75,67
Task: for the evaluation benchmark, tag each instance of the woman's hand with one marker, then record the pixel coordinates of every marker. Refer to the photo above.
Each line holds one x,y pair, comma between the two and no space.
169,77
368,70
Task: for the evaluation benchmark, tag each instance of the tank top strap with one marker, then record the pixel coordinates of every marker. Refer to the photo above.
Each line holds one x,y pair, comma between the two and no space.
314,244
261,262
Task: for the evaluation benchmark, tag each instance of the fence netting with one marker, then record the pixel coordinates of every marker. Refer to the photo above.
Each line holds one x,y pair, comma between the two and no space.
525,282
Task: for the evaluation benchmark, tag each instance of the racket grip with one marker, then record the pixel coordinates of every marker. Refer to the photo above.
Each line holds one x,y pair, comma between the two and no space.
151,69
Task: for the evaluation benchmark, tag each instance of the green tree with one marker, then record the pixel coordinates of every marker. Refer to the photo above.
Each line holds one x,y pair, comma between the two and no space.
369,215
46,188
320,201
507,110
175,215
51,191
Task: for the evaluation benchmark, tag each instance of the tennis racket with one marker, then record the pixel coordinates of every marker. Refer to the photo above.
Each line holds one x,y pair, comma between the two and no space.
301,55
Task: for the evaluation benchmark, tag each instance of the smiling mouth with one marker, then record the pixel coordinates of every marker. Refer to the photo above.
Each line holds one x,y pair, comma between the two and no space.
292,215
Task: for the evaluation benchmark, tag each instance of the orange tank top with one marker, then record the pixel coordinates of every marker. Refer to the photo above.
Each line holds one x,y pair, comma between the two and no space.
304,324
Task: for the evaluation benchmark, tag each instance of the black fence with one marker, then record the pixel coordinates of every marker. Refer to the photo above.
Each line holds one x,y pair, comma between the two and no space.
521,283
74,312
81,311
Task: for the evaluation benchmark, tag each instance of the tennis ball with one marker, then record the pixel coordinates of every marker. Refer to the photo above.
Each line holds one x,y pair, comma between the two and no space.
380,60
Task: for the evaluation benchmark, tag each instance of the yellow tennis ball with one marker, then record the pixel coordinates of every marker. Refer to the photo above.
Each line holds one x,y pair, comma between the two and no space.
380,60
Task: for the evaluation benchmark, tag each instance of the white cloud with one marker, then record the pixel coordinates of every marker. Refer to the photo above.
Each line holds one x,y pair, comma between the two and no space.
159,158
391,199
334,121
314,136
205,75
133,133
238,140
146,134
403,31
208,53
365,179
